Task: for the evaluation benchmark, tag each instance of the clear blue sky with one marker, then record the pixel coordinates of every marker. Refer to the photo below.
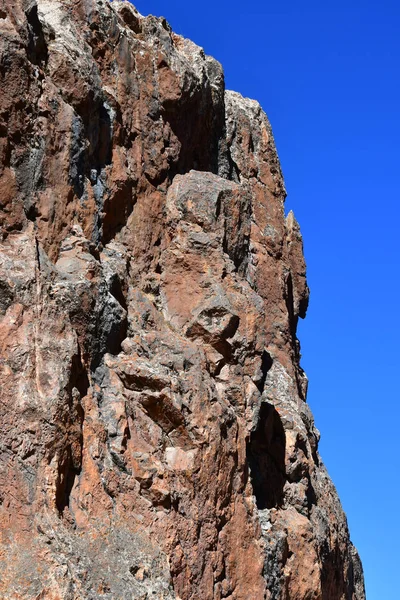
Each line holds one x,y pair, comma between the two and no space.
327,74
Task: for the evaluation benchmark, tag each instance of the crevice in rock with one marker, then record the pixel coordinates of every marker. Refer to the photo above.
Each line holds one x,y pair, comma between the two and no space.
293,321
100,138
251,144
31,212
111,325
290,308
67,474
232,327
202,132
37,50
117,291
266,458
224,348
131,18
234,171
70,461
79,379
311,495
266,364
142,382
77,157
91,147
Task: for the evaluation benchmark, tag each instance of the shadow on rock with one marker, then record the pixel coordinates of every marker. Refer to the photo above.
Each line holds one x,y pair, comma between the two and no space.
266,458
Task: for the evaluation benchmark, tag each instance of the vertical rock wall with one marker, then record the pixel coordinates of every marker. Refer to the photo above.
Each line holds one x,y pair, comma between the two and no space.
156,441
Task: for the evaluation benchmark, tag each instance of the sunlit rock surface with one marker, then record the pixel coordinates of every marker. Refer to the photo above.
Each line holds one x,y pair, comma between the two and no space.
155,439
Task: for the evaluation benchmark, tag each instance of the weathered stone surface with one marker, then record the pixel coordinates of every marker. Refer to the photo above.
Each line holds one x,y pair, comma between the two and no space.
155,440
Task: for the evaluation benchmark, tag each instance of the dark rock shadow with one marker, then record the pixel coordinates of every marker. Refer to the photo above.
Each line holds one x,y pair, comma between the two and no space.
266,458
333,584
37,50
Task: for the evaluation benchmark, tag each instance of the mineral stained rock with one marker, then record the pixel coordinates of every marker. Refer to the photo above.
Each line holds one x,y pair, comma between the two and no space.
155,439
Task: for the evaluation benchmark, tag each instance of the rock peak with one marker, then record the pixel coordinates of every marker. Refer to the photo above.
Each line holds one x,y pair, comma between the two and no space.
156,438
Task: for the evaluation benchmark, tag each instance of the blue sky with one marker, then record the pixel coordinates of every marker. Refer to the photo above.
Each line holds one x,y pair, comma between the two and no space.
327,75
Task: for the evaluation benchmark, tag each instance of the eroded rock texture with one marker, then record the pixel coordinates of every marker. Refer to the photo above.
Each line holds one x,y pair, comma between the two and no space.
155,439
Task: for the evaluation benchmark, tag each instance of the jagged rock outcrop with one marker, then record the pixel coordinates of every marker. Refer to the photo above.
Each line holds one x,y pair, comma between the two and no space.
155,439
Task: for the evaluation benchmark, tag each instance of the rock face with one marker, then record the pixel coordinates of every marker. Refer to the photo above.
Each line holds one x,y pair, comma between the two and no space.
155,440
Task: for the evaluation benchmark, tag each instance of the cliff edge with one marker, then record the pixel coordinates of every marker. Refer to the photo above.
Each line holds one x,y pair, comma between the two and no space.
156,441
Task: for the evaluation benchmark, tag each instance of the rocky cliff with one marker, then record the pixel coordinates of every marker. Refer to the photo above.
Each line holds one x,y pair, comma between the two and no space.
156,441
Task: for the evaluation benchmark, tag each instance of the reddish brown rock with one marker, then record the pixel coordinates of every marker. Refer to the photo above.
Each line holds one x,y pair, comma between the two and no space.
156,440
